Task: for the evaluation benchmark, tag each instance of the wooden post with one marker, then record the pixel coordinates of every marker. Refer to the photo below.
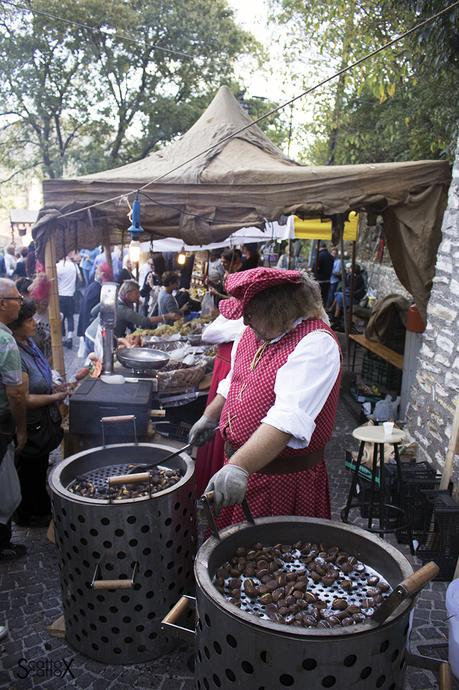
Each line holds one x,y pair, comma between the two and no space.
339,220
53,308
108,250
453,449
351,293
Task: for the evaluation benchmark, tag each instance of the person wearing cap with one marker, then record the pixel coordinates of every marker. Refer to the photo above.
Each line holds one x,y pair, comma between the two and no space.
276,408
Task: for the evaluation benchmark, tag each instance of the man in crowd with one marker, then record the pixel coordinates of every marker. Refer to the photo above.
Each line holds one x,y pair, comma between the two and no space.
12,413
127,318
323,270
68,279
335,277
10,260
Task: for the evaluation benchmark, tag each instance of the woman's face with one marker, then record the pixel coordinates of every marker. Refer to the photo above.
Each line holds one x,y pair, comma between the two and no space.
27,329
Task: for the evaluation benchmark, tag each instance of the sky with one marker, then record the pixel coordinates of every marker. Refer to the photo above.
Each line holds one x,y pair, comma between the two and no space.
277,81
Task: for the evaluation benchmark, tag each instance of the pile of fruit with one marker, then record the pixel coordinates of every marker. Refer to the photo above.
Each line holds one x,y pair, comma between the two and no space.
179,327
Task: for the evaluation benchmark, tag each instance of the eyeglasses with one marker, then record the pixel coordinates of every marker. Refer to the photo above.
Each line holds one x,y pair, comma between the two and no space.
19,299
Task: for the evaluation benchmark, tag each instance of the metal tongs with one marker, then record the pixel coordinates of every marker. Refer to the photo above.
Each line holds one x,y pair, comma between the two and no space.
161,461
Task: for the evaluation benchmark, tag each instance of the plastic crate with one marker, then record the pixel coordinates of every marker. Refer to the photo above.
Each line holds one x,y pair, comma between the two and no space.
361,397
376,370
419,480
442,544
364,488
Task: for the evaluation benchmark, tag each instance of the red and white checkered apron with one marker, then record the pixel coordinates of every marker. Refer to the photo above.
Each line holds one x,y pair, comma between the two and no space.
250,397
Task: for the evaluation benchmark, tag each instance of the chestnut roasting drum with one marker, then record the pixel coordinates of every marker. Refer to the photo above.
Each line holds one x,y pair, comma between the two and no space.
248,643
126,547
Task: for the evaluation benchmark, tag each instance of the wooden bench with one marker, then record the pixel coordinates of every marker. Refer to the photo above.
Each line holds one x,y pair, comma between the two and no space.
381,351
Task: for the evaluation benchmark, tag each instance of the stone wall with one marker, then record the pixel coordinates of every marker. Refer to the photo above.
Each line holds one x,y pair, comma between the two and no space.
383,280
433,395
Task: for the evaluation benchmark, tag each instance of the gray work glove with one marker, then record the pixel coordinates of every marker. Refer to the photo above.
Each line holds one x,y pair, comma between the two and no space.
202,431
229,486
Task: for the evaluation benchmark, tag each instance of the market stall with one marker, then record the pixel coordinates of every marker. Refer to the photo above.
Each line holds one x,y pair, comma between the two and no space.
224,174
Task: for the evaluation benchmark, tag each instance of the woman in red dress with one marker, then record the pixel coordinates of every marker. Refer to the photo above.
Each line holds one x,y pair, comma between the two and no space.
277,406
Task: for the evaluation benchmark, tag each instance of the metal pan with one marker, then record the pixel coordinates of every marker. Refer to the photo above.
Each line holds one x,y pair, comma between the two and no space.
142,359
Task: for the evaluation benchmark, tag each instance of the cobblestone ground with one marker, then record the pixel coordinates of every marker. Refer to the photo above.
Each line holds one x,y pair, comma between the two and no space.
30,600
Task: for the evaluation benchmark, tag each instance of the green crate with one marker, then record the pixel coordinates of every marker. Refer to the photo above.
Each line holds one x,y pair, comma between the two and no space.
376,370
364,471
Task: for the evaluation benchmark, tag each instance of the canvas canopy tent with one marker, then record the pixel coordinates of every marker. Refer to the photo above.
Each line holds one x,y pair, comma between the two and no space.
202,196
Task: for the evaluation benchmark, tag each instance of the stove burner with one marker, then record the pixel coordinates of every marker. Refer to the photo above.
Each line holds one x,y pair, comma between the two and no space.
94,484
304,585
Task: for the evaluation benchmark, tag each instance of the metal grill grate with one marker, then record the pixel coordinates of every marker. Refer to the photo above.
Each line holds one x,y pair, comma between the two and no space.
96,482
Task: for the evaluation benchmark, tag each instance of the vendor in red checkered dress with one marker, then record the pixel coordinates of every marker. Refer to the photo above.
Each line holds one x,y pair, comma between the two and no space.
276,408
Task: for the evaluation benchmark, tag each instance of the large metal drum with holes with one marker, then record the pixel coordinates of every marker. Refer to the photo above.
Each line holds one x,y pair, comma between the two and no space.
235,649
122,563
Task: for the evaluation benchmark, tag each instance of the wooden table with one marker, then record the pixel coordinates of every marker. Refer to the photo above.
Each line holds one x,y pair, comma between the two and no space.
378,349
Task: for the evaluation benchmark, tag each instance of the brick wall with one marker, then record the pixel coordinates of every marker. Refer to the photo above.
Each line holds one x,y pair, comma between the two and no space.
433,395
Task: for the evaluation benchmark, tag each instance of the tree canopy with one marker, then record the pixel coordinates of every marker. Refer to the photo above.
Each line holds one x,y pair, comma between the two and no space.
89,85
399,105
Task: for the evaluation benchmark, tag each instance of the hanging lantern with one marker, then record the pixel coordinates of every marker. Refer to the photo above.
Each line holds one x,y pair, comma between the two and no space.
181,257
134,251
134,231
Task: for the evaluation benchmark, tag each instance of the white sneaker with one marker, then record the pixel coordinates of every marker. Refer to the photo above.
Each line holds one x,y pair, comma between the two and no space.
81,348
3,631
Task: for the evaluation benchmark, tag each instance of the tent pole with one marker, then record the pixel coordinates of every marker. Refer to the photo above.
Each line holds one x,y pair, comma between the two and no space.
57,349
351,292
339,219
108,251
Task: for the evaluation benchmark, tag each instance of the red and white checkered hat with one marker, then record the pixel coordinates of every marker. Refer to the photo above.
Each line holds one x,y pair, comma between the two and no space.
243,286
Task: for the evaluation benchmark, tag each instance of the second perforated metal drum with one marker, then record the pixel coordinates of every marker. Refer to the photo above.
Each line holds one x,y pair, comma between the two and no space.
122,562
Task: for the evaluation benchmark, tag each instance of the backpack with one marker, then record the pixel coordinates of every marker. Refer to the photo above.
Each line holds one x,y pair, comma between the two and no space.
387,323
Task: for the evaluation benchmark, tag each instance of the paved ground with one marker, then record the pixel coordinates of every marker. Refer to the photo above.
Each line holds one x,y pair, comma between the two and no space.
30,600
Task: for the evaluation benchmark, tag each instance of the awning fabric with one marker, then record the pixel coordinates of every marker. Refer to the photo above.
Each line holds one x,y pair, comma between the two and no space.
242,182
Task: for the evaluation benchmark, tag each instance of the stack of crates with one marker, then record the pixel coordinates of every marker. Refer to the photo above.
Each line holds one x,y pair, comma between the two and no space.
418,478
442,543
378,371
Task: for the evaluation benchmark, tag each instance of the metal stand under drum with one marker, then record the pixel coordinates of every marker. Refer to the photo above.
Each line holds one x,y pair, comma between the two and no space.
236,649
122,562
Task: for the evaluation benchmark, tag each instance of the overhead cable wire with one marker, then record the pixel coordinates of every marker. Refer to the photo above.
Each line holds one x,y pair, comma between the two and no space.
97,29
229,137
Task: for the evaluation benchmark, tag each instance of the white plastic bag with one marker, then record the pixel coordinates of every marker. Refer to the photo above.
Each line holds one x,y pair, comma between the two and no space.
207,304
10,489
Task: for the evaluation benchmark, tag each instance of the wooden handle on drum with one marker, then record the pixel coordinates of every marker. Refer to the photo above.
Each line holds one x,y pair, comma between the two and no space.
118,418
178,610
112,584
129,479
420,578
157,413
444,677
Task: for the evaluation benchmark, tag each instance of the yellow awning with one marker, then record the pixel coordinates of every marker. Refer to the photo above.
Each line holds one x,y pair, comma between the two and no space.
317,229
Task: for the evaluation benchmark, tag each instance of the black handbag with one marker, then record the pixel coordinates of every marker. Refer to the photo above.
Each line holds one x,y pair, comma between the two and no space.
45,434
